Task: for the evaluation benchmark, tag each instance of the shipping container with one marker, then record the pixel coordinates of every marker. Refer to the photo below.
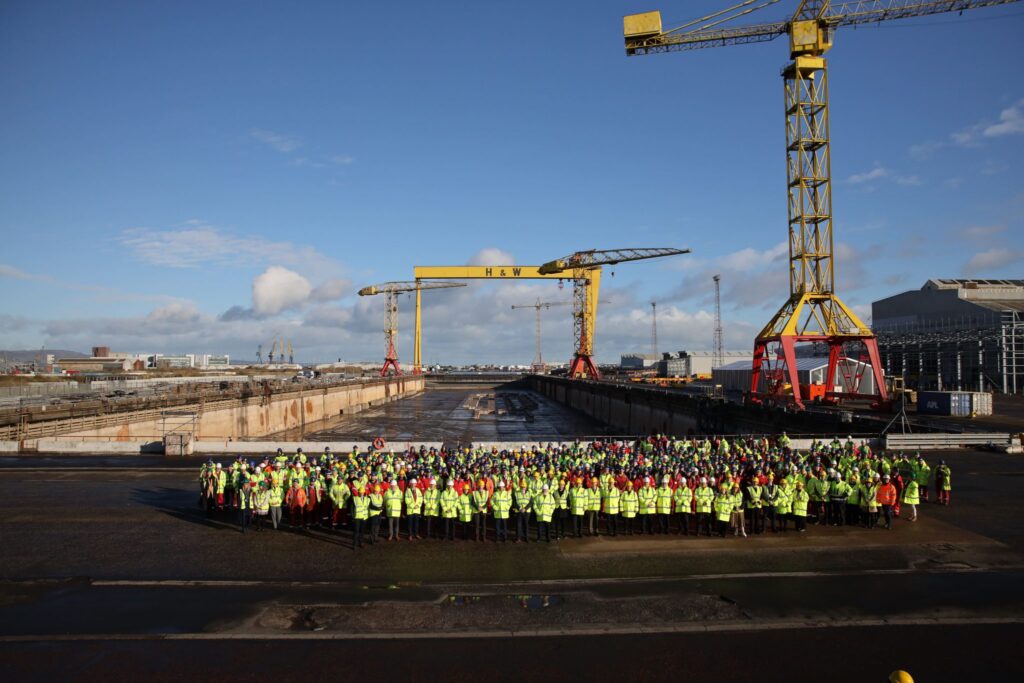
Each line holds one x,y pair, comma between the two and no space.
933,402
960,403
981,403
952,403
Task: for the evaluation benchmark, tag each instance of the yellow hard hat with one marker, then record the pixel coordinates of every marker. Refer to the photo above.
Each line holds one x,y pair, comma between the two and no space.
900,676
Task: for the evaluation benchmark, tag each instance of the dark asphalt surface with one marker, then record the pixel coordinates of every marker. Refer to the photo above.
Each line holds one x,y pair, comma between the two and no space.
934,654
77,543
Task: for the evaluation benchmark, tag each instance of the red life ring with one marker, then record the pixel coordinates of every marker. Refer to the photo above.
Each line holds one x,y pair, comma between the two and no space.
378,443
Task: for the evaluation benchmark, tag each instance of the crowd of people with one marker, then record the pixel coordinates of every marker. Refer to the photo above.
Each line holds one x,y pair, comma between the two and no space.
655,485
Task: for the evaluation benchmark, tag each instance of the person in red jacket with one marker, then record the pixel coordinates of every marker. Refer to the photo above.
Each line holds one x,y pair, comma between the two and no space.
887,499
296,501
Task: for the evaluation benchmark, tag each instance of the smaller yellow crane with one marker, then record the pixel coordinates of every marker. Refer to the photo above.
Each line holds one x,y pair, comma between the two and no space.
582,267
391,290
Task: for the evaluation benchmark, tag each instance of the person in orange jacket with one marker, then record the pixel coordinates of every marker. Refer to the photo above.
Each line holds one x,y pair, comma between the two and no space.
296,501
887,499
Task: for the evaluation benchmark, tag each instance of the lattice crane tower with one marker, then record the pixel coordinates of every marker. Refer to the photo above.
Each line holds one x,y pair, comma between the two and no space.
813,312
391,290
580,267
718,355
539,366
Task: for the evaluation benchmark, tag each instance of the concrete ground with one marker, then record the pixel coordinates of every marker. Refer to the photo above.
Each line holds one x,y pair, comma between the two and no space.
118,574
447,414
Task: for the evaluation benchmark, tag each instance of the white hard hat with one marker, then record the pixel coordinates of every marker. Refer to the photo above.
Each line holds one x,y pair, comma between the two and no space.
664,480
501,484
703,480
682,480
451,483
413,480
433,481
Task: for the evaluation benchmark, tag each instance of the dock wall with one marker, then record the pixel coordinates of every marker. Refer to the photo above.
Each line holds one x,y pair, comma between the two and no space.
228,420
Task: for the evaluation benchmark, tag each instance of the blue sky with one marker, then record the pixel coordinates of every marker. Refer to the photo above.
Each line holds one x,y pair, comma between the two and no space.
197,176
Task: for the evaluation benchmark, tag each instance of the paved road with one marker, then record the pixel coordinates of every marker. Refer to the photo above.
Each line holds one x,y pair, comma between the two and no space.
112,556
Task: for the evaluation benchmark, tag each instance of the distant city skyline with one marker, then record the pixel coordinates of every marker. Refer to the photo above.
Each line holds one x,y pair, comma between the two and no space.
219,175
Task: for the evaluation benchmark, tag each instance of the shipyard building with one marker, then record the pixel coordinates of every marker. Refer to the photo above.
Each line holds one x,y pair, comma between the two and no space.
954,335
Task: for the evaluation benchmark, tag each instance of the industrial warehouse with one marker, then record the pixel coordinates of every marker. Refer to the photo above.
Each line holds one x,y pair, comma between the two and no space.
966,335
335,335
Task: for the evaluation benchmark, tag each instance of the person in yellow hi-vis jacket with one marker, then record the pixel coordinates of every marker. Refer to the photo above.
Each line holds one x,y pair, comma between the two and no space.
501,505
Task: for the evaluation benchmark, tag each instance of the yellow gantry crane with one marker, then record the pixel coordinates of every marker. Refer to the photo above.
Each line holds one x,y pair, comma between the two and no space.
582,267
538,366
391,290
813,312
493,273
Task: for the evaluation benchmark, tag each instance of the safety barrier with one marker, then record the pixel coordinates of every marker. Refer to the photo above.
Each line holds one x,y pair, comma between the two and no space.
919,441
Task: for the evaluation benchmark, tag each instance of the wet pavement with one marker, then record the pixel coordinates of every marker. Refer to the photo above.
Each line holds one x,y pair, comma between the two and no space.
463,415
106,555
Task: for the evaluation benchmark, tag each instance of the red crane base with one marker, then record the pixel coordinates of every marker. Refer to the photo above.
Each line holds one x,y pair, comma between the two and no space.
390,362
781,370
583,367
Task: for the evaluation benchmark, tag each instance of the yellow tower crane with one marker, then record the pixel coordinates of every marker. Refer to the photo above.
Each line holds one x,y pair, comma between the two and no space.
581,267
813,313
391,290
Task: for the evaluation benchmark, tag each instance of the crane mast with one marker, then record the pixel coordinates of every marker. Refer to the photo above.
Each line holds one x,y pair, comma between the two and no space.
654,329
718,356
391,290
584,268
813,312
539,366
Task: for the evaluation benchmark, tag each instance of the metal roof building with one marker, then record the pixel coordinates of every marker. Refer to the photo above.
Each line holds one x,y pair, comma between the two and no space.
810,370
954,334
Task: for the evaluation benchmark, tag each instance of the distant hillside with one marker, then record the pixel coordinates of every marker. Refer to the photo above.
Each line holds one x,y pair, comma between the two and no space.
29,355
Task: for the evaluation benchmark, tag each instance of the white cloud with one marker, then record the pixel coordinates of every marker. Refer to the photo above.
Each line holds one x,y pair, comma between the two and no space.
279,289
750,278
491,256
173,316
924,150
197,243
323,162
880,173
328,316
993,168
472,324
984,262
983,233
13,273
746,259
99,292
1011,122
281,142
331,290
877,173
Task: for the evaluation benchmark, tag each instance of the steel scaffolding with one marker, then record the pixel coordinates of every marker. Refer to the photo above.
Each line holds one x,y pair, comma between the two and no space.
973,353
